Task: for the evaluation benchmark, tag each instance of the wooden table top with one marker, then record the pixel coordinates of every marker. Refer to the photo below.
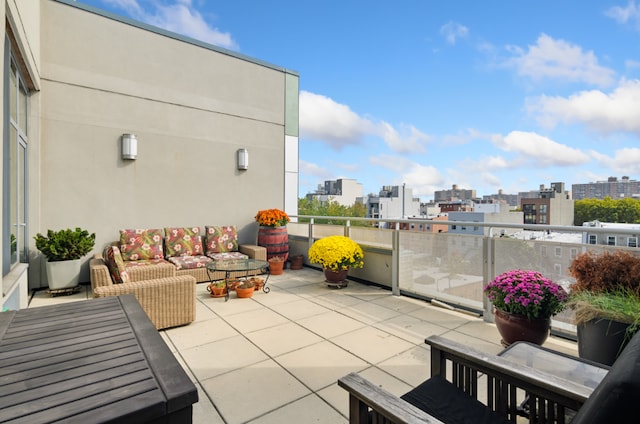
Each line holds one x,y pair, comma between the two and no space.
96,360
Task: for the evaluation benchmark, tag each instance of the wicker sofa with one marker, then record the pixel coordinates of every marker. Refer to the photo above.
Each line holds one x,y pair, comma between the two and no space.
162,266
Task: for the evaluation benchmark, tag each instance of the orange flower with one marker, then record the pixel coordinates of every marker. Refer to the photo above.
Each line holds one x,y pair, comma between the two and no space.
272,218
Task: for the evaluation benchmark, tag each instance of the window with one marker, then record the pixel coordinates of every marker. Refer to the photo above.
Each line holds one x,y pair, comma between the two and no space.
611,240
593,239
632,241
543,251
558,252
573,252
14,167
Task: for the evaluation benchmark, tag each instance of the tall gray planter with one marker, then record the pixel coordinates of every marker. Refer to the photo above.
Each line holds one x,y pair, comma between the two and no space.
63,274
602,340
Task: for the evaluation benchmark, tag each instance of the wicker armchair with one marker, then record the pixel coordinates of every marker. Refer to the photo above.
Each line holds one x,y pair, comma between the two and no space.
452,393
169,300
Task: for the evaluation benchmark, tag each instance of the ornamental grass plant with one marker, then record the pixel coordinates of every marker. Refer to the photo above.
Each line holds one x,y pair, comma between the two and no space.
336,253
607,286
527,293
272,218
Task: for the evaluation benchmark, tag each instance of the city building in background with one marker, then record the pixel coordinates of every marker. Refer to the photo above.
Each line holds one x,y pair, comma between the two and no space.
628,240
614,188
454,194
345,192
393,202
552,206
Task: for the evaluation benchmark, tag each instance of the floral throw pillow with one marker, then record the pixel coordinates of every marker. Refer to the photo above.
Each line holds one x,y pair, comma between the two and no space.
222,239
113,259
183,242
136,245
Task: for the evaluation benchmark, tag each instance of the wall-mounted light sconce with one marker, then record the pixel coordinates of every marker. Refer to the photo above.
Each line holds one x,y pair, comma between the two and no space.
243,159
129,146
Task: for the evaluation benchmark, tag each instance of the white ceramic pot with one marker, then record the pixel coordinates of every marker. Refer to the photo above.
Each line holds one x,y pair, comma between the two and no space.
63,274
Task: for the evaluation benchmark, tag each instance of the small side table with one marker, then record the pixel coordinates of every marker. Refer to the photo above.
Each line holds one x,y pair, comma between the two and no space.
577,370
239,266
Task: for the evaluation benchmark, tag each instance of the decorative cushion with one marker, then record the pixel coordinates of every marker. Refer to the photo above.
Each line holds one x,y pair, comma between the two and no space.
146,262
183,242
113,259
138,245
443,400
222,239
223,256
189,262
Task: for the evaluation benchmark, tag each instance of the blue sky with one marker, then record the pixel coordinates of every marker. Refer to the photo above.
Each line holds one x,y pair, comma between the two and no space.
490,95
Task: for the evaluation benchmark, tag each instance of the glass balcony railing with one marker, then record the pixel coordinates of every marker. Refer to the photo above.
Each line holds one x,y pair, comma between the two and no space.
453,266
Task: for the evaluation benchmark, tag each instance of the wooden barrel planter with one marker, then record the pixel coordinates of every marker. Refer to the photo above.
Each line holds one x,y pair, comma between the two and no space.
275,240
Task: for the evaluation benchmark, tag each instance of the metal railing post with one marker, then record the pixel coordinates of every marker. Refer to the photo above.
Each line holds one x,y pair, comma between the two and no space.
395,262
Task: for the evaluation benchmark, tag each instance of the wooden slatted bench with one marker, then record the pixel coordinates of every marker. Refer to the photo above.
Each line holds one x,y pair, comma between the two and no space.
93,361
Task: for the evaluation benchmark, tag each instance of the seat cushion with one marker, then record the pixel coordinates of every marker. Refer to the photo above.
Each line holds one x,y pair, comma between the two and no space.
446,402
221,239
141,244
223,256
614,400
183,241
189,262
115,263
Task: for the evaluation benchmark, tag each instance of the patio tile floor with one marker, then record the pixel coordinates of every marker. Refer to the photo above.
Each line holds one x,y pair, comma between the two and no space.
283,351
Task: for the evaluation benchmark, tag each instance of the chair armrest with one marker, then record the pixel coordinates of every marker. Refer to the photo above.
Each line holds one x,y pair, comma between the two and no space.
501,372
99,272
167,301
364,395
253,251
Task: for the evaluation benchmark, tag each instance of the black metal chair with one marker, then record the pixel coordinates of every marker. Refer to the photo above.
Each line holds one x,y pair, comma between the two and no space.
451,395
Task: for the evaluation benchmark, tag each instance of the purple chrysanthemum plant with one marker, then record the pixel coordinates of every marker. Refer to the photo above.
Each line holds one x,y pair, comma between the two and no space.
526,293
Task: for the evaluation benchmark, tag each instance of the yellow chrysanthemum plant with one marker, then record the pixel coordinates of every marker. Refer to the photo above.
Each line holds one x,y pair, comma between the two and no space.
336,253
272,218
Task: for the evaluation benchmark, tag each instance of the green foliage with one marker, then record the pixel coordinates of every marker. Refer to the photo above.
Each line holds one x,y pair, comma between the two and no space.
331,208
625,210
66,244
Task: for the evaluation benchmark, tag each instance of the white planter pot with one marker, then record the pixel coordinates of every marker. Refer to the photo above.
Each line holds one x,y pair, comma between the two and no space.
63,274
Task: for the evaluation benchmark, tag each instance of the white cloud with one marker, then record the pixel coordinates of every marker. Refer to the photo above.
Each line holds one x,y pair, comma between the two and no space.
541,151
606,113
624,161
180,17
422,179
559,59
452,31
323,119
623,15
310,168
410,141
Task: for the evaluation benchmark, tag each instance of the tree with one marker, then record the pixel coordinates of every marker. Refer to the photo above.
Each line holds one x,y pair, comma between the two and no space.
625,210
331,208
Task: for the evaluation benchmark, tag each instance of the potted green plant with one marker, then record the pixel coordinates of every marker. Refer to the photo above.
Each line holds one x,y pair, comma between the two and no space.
218,289
336,254
64,250
276,265
245,289
605,298
524,302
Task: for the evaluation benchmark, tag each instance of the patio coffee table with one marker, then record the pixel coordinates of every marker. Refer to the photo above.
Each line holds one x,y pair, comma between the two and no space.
239,266
577,370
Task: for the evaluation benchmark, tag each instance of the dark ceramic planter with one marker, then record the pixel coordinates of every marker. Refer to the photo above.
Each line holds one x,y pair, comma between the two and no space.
336,278
515,328
602,340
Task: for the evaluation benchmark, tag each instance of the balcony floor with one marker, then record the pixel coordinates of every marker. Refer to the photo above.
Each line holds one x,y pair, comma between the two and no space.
276,357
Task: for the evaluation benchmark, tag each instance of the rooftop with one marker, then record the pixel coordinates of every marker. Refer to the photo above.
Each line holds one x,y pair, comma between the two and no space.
284,350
